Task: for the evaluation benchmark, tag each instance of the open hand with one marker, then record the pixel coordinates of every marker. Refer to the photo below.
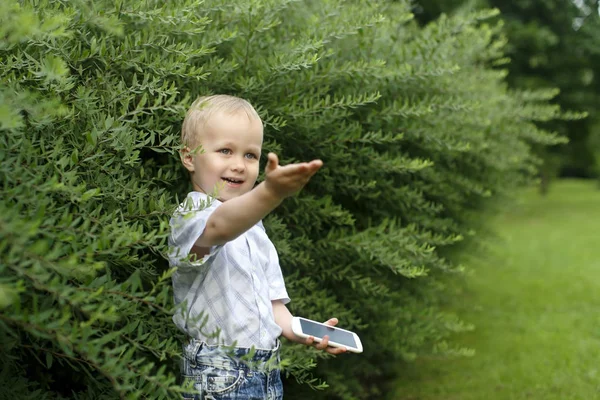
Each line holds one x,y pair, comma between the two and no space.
324,344
287,180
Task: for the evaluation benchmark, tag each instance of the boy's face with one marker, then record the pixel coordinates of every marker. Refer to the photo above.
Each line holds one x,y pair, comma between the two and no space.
227,160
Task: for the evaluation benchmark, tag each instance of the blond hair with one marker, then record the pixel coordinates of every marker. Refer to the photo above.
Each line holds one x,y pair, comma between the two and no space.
206,106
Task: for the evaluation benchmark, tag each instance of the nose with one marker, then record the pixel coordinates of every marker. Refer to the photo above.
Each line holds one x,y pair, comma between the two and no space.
238,164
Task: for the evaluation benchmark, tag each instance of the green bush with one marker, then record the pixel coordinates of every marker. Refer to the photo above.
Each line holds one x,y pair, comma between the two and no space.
415,126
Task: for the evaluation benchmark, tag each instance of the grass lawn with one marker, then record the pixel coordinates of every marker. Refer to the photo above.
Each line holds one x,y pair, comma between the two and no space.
535,302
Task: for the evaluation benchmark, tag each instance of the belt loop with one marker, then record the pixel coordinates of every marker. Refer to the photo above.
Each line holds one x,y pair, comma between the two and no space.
197,345
277,352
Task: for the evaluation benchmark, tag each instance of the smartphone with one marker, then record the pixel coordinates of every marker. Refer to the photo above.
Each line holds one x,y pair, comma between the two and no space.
337,337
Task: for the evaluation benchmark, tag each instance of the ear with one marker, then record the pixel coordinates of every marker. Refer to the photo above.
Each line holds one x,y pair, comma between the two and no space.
187,159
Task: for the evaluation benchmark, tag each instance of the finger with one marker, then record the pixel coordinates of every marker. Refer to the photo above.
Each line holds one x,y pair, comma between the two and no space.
316,164
331,322
324,343
302,169
310,340
314,167
336,350
294,170
311,166
272,162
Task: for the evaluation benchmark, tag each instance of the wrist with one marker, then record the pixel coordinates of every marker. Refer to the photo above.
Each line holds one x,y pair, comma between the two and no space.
292,337
297,339
269,195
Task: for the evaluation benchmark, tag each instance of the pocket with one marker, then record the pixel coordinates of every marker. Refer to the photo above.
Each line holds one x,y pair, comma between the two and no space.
221,381
216,381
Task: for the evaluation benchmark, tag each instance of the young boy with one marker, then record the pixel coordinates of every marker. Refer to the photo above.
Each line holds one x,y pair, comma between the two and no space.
228,278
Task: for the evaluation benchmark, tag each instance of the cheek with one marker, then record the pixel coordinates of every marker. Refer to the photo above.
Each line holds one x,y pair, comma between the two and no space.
208,168
254,171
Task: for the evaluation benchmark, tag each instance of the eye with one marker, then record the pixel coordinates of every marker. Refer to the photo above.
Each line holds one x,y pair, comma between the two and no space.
251,156
225,151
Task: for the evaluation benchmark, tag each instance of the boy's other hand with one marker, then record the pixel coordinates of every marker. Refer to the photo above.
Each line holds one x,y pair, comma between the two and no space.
287,180
324,344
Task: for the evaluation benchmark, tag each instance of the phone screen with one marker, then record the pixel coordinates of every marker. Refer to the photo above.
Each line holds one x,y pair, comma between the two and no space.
335,335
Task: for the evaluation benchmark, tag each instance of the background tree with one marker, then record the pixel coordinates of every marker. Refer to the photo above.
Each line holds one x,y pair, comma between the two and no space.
551,45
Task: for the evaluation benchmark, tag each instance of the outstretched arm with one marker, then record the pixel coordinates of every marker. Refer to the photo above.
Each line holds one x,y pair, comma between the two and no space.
237,215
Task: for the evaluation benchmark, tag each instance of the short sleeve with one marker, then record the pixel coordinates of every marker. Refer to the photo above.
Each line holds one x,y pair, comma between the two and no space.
187,224
277,290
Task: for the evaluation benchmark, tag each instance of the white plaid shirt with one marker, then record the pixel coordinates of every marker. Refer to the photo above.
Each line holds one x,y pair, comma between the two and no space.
231,288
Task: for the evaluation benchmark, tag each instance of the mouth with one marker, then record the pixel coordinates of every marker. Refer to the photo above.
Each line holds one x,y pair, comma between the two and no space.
232,181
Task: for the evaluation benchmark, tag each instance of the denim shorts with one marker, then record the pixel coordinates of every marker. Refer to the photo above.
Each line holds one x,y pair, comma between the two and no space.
223,373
